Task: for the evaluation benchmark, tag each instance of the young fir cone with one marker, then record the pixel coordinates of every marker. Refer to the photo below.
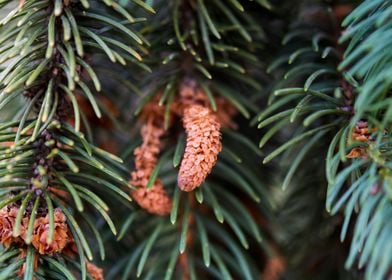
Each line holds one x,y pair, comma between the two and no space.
61,235
7,222
203,143
155,200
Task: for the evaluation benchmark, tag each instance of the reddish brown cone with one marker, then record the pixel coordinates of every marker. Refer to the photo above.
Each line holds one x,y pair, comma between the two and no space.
202,147
7,223
155,200
41,232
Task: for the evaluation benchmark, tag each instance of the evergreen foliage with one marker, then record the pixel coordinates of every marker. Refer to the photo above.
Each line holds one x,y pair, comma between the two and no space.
336,88
128,134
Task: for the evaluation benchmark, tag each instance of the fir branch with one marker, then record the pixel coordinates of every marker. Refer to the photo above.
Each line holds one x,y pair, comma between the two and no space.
46,61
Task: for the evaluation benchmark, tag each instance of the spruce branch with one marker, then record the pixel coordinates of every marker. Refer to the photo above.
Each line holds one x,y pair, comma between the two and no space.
203,58
51,172
357,159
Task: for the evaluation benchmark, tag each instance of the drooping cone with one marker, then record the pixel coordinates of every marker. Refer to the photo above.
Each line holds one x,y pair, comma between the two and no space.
203,145
155,200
